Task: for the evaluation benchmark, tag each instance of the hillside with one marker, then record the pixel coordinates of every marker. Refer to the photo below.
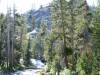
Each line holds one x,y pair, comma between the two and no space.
41,13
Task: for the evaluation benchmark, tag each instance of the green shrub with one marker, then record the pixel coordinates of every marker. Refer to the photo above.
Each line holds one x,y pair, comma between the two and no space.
65,72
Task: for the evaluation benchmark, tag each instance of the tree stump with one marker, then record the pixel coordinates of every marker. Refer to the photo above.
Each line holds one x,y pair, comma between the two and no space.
1,73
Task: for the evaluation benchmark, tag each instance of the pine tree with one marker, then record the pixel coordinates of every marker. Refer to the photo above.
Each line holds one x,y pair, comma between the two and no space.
63,19
27,58
2,40
95,40
9,50
84,35
58,20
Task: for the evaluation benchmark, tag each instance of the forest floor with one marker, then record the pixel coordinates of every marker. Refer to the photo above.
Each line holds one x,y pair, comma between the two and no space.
37,71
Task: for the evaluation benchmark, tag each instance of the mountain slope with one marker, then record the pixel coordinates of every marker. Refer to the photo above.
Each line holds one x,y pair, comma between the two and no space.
41,13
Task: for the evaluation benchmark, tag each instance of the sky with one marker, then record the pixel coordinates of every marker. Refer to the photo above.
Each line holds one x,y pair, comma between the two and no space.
24,5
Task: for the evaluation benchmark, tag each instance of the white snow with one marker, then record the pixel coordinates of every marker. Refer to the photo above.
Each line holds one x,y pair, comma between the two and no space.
32,32
37,63
27,72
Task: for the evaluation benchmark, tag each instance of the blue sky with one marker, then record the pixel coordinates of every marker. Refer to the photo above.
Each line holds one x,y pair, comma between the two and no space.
25,5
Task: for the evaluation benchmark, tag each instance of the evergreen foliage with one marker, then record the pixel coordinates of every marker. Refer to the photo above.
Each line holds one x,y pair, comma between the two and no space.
70,46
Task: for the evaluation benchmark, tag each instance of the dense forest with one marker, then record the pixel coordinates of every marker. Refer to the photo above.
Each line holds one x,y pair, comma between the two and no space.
66,39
